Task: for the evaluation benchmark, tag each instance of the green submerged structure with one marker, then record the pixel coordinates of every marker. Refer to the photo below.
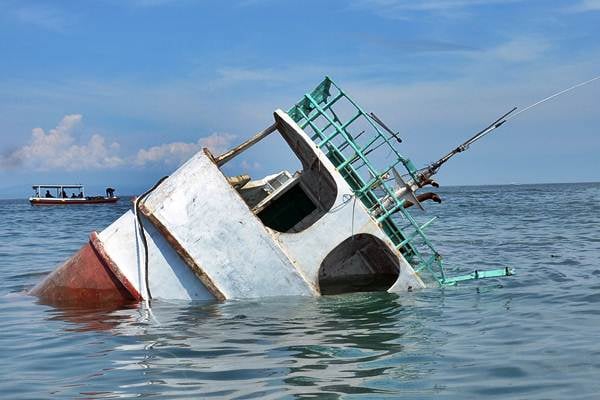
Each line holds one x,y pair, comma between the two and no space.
364,151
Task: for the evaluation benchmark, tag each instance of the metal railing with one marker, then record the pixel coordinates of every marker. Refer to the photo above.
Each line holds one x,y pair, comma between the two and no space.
365,156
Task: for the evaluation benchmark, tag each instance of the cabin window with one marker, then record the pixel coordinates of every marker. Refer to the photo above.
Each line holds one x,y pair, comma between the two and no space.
295,191
361,263
288,210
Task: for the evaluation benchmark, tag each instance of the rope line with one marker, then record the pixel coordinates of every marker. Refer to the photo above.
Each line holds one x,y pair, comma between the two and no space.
142,232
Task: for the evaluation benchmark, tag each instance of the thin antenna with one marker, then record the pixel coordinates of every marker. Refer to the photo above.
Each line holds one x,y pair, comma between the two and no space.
435,166
537,103
553,96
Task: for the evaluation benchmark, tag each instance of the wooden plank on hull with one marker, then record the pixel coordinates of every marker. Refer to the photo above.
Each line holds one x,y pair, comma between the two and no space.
98,247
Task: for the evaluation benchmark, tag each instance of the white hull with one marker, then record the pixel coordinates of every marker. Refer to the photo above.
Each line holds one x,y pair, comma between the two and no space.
204,242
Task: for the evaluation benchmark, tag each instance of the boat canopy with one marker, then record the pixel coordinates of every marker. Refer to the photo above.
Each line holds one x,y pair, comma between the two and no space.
57,186
59,190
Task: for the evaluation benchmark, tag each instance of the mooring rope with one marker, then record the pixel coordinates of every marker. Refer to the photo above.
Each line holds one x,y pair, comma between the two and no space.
142,232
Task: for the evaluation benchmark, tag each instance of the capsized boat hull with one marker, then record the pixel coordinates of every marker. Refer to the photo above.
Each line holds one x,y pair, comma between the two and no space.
204,242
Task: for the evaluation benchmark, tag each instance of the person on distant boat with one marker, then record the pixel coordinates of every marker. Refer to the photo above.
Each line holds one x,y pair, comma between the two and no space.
110,192
48,194
73,196
63,194
80,195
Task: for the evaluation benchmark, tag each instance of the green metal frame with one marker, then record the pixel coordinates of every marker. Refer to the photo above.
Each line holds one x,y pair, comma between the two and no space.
316,114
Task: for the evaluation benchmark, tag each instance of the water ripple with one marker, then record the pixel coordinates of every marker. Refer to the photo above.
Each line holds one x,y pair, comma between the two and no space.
531,336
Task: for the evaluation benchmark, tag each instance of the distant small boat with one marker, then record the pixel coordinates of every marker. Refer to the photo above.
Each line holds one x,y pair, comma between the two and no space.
57,195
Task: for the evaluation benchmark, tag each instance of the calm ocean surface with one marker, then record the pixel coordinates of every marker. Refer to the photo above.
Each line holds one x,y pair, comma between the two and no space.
532,336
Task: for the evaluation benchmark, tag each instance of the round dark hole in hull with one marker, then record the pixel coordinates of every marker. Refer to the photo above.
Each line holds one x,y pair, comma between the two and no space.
361,263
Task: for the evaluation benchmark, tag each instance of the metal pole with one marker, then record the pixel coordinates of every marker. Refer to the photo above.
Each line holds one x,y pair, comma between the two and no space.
223,158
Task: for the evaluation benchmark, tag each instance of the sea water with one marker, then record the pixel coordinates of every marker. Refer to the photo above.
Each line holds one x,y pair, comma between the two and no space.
535,335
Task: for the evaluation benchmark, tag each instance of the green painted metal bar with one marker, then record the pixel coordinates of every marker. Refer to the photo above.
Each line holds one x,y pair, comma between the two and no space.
438,275
349,161
376,194
327,106
415,234
408,164
494,273
441,269
424,264
342,129
316,115
313,126
416,226
331,146
353,145
351,120
398,205
338,129
376,179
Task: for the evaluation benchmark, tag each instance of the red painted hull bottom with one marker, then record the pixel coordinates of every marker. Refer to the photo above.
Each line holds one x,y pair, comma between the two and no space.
83,280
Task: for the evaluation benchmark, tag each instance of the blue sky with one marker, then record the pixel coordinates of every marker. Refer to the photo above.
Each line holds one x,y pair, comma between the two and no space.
120,92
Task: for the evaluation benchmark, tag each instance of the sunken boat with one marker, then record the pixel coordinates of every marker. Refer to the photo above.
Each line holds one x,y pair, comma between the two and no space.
342,223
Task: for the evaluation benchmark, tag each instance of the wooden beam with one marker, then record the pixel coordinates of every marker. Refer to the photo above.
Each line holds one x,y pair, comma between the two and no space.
223,158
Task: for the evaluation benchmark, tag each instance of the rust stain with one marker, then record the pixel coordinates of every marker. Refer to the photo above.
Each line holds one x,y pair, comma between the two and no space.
82,280
209,154
114,268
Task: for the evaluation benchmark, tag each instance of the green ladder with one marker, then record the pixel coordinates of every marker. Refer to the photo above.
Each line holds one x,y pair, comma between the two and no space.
366,157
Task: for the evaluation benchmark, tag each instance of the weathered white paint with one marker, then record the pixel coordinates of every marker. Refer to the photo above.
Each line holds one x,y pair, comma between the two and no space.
242,258
169,276
308,248
226,240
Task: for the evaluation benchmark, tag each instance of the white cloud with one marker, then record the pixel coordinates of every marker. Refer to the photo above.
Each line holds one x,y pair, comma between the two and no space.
587,5
233,75
178,152
152,3
250,165
42,16
399,8
519,50
217,142
57,149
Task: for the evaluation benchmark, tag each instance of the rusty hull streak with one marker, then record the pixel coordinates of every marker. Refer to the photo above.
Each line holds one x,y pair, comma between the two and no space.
209,154
182,252
82,280
103,255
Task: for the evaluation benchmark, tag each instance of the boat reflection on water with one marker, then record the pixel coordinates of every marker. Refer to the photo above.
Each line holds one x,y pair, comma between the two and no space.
106,317
341,344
